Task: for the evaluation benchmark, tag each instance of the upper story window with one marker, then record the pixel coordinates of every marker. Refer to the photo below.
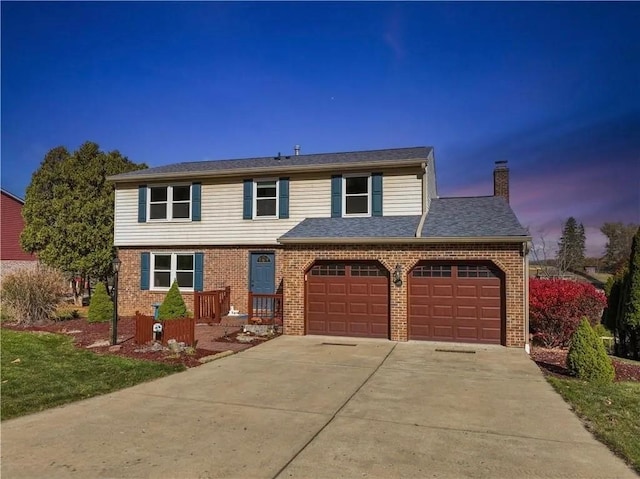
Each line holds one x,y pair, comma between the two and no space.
167,267
356,195
266,199
171,202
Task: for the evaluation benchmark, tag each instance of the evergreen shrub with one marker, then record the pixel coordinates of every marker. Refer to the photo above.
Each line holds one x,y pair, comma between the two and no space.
587,357
173,305
101,306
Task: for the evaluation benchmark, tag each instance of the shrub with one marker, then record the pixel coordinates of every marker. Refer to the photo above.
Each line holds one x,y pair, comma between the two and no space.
602,331
173,305
101,306
587,358
31,296
556,307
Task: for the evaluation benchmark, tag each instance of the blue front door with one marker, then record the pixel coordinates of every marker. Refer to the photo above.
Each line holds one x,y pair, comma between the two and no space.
262,274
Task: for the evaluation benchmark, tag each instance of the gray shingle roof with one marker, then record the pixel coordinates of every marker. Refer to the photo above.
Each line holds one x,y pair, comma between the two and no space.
479,216
373,227
475,217
199,168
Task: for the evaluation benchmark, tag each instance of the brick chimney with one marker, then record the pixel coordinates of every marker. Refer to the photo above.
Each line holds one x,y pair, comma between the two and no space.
501,180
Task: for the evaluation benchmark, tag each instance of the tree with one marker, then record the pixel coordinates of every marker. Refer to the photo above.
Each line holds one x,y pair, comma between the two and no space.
68,211
571,247
173,306
618,248
631,307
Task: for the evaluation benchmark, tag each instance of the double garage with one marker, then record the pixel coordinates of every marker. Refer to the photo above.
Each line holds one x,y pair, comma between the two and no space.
446,301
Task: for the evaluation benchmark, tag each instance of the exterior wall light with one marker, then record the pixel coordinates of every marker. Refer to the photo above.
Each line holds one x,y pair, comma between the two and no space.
397,275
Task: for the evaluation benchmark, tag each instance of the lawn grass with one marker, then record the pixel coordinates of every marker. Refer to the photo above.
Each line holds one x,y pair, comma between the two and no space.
51,372
611,412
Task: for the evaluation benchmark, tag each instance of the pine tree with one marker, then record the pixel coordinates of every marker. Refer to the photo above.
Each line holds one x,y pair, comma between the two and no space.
631,308
571,247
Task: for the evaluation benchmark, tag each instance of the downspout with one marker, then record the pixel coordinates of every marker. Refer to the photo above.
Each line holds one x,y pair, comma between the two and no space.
425,199
525,259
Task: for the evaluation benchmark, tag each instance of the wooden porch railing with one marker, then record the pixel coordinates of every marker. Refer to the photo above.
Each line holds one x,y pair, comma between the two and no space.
211,306
182,330
267,307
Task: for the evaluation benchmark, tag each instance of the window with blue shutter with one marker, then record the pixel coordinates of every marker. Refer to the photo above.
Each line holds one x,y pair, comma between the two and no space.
284,197
336,196
142,203
198,272
196,196
145,268
247,200
376,194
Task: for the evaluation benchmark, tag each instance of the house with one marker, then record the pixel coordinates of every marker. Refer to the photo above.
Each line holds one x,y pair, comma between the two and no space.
12,257
359,243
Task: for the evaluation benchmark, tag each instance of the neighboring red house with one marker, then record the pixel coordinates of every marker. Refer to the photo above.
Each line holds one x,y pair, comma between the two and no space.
11,225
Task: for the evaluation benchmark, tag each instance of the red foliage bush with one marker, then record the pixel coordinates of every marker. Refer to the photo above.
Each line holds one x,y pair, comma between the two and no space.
556,307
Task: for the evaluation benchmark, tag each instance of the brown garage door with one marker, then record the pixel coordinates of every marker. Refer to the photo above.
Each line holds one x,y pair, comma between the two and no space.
455,302
348,299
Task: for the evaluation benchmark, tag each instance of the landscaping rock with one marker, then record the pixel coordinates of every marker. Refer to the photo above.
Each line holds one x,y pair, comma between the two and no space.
244,338
115,348
259,329
99,344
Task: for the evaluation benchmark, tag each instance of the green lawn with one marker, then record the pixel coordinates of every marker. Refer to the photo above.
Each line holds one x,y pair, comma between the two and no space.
40,371
612,413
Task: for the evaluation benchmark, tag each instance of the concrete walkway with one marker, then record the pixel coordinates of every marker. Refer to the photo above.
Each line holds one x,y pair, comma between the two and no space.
297,408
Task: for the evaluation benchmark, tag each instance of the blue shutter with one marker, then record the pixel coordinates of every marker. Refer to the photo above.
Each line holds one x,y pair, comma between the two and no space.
284,198
142,203
336,196
247,200
376,194
198,271
145,263
195,201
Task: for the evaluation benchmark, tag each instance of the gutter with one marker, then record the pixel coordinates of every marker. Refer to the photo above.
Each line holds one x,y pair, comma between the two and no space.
405,239
266,170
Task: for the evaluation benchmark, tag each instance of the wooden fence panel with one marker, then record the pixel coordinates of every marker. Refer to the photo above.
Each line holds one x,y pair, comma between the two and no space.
181,329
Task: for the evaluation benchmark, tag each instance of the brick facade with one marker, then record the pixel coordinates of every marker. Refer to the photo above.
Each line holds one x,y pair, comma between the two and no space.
223,266
501,180
229,266
299,258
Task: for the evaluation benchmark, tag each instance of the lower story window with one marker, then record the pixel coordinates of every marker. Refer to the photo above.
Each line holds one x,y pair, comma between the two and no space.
170,267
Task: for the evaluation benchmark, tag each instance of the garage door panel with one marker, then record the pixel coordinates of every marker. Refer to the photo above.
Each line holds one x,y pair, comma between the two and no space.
358,308
466,291
441,311
356,302
467,312
317,288
336,307
441,291
463,305
336,289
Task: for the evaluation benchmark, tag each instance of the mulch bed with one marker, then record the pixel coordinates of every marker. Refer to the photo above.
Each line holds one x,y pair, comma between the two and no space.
553,362
85,334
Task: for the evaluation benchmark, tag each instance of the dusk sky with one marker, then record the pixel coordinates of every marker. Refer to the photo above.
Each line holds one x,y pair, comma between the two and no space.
554,88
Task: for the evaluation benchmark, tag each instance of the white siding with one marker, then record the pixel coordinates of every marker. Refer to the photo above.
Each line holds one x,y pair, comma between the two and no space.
401,195
222,223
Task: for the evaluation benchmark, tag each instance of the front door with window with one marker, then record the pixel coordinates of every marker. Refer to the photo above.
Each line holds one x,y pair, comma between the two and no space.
262,273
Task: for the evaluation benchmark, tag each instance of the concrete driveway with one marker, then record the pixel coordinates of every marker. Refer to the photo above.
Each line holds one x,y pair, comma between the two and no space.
295,407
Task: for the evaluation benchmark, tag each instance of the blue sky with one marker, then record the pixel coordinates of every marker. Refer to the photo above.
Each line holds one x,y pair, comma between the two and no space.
554,88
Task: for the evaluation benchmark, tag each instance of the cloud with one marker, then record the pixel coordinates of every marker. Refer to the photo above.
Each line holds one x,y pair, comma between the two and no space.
393,36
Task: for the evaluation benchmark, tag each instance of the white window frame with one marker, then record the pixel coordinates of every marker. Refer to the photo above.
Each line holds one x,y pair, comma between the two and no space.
255,198
170,202
344,194
173,271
